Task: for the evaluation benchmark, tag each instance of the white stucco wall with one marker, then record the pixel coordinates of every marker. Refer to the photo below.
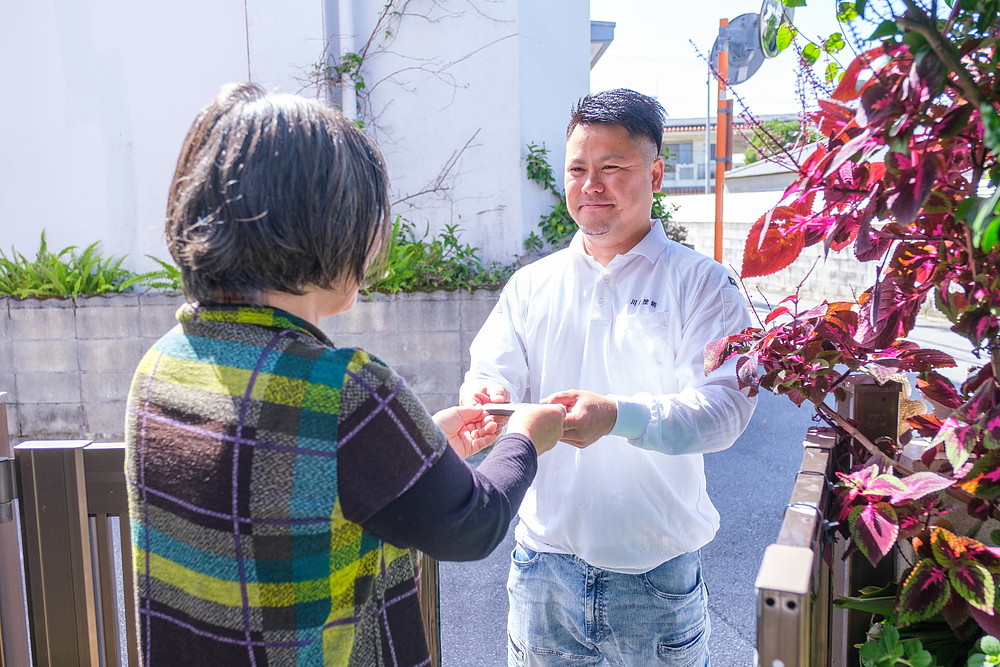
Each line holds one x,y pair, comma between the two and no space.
98,95
495,75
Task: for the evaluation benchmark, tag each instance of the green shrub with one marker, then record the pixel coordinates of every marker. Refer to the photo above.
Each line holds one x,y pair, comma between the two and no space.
425,263
72,273
414,264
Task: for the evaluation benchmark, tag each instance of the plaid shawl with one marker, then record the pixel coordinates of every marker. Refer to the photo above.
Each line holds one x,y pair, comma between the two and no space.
255,451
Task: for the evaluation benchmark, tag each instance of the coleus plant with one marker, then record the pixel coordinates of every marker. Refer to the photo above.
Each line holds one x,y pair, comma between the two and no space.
907,176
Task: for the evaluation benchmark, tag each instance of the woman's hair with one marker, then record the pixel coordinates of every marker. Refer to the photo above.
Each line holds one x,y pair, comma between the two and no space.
274,193
640,114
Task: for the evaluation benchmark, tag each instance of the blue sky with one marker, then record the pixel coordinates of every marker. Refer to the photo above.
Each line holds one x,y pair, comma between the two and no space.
652,53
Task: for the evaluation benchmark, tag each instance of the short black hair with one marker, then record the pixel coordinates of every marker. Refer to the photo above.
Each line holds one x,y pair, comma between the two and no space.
274,193
640,114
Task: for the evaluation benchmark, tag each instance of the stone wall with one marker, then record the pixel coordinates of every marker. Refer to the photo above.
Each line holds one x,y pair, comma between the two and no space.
66,364
836,276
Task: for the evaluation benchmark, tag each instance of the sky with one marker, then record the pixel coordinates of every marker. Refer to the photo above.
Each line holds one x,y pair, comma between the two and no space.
651,53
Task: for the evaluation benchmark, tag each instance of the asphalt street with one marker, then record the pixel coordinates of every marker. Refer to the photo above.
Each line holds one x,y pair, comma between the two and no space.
750,484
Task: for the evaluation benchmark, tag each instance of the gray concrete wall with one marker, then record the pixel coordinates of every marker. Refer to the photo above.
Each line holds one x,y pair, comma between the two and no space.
66,364
836,276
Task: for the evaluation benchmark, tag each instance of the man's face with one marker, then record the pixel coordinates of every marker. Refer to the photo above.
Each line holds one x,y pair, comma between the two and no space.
610,180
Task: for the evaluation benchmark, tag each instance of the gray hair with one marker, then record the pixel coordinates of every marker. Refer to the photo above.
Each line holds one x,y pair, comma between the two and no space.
274,193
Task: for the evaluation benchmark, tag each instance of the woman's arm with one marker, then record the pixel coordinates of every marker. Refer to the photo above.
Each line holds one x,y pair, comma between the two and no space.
456,512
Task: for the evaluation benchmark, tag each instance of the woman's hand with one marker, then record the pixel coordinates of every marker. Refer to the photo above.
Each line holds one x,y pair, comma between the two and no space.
468,429
542,424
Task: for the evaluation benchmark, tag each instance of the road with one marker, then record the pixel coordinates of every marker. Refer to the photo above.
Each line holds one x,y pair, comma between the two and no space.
750,484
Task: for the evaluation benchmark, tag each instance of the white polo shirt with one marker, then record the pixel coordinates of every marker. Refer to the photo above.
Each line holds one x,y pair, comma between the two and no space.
636,330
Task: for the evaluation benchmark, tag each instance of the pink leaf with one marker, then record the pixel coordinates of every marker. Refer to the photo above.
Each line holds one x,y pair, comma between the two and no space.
989,622
715,354
874,528
939,389
924,593
910,197
974,583
920,484
983,481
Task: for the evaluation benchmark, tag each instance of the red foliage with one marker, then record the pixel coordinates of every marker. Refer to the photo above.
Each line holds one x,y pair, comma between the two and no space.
910,140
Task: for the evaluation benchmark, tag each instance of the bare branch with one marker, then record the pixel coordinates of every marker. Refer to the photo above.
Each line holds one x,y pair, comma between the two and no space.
438,183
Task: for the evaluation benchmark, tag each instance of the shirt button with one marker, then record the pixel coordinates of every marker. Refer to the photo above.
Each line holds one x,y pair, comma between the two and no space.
606,278
600,302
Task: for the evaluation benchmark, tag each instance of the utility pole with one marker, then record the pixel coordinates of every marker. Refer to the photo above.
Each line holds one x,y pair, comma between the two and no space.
723,129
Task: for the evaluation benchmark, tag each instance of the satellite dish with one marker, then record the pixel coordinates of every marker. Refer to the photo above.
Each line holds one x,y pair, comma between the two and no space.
745,54
772,15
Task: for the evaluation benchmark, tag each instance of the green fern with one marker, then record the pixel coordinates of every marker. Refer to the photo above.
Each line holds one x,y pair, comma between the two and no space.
71,272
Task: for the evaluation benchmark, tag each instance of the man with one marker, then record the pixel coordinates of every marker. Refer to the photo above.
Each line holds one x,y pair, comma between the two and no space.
606,568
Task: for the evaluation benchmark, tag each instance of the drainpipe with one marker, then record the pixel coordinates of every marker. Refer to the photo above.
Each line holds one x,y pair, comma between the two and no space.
708,129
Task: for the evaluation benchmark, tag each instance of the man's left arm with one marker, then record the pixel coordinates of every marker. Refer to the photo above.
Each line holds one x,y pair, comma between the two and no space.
707,415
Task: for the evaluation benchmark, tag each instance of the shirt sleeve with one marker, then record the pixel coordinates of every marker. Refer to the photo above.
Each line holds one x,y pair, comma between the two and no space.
498,352
711,411
386,438
455,512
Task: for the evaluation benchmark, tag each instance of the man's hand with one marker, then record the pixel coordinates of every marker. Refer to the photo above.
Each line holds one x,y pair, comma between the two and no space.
469,429
488,392
589,416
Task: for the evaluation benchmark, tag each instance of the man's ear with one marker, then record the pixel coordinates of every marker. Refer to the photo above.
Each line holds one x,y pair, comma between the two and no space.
656,173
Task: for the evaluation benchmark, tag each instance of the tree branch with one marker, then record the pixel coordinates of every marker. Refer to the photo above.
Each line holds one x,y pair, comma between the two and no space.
437,184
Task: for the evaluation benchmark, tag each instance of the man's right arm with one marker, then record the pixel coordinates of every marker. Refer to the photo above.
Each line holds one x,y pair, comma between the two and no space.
498,372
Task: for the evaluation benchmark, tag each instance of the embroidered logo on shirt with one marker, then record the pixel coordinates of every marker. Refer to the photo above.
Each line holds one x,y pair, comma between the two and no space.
642,302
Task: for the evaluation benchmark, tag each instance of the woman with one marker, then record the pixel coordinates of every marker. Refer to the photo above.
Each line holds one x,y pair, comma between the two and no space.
277,483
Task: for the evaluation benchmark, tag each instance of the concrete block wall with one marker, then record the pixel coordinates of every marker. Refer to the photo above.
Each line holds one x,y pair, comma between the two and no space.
838,276
834,277
425,337
66,364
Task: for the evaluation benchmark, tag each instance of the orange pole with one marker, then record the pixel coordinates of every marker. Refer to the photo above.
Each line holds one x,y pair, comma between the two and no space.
723,118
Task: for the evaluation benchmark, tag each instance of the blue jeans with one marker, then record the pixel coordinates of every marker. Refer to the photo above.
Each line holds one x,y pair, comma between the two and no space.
566,612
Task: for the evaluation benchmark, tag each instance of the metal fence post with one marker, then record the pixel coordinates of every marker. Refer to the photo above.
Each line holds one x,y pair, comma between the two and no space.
57,553
430,606
793,583
875,410
111,552
14,651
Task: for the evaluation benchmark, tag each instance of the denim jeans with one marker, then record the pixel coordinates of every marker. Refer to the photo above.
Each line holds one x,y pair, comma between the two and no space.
566,612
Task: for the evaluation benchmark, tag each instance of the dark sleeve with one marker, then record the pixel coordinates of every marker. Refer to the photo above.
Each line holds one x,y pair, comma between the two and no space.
456,512
386,439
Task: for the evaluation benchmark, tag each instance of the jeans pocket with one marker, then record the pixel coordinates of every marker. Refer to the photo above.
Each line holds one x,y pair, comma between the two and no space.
678,593
676,579
522,556
689,651
515,654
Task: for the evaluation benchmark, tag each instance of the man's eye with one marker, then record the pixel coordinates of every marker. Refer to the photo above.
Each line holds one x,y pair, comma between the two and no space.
609,167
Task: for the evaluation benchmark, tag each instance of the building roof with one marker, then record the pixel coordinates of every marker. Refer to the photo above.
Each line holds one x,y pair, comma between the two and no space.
602,33
782,164
686,125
